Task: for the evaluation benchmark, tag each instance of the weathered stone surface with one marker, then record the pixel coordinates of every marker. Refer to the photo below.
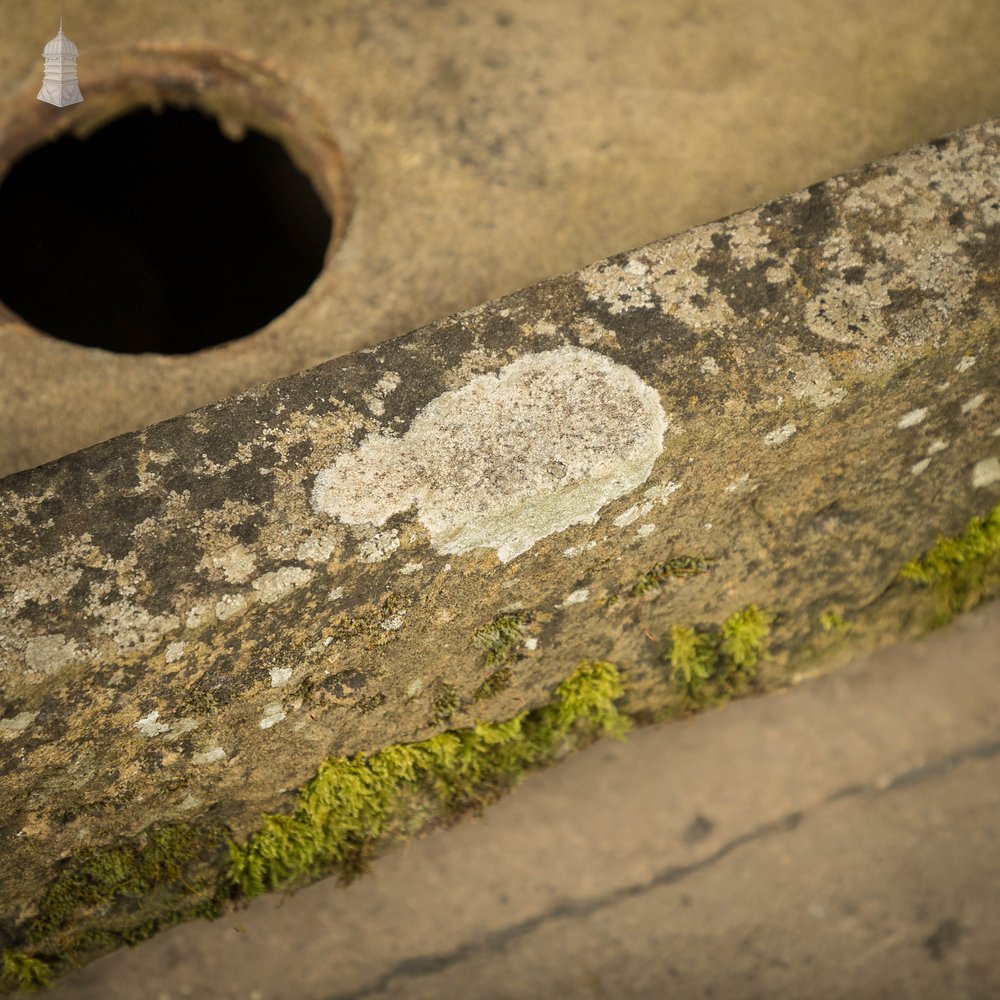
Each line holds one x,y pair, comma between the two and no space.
778,409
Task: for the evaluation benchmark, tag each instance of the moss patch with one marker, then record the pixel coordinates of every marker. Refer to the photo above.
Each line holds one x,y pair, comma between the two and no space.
833,621
102,881
121,895
711,664
348,806
126,894
23,972
500,638
493,685
962,569
680,567
99,878
445,705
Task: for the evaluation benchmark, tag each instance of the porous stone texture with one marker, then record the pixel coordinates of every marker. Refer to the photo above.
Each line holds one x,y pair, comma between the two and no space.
800,397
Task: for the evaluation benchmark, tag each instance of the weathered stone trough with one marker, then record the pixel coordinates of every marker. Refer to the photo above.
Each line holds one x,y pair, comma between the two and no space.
690,471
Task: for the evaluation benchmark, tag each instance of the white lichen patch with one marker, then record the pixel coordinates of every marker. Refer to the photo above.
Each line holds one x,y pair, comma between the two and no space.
849,312
51,578
973,404
210,756
9,728
632,514
779,274
919,467
150,726
531,643
230,606
280,676
198,615
316,548
577,597
912,418
45,654
968,360
646,280
779,436
921,251
375,399
379,547
410,568
392,624
336,594
593,334
274,586
273,714
739,484
709,366
661,494
935,446
129,625
472,362
748,240
645,530
577,550
175,650
508,458
986,472
621,287
236,563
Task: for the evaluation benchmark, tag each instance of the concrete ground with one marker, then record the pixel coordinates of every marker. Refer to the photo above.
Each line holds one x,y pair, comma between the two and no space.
840,839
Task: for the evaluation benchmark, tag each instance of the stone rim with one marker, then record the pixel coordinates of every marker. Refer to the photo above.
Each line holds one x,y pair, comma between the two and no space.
237,92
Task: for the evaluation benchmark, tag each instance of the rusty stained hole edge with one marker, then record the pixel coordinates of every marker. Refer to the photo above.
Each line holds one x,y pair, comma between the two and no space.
221,83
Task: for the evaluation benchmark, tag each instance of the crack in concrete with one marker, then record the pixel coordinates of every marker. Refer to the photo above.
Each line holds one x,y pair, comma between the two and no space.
423,965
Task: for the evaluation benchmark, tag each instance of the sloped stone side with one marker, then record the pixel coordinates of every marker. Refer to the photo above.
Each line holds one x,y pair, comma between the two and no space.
776,411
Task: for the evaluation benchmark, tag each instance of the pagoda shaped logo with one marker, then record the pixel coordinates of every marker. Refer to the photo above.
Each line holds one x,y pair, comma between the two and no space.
60,86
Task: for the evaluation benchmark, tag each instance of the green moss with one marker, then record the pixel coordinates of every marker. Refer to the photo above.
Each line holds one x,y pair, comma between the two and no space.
832,621
24,972
120,895
125,894
348,806
963,569
445,705
679,567
100,879
692,658
500,638
744,638
493,685
711,664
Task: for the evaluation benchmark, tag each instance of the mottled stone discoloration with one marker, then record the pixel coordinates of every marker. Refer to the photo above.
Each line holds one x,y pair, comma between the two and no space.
193,616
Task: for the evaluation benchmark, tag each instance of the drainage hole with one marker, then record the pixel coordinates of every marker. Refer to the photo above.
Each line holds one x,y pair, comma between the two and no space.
157,233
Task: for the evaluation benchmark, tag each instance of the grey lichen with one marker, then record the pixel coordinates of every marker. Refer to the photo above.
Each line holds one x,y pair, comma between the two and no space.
508,458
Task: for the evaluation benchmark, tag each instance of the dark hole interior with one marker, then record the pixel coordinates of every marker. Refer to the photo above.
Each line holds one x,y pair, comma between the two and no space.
157,233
